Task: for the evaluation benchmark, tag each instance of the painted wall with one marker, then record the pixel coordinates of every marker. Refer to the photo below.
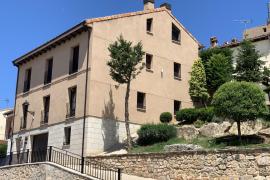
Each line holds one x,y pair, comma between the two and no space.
160,86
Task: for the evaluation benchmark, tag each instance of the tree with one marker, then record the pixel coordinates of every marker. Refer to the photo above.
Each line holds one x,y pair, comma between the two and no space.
197,83
213,71
266,76
239,101
125,64
248,63
219,71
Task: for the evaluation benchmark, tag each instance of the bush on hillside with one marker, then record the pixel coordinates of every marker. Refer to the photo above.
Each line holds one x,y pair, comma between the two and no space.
189,115
206,114
154,133
165,117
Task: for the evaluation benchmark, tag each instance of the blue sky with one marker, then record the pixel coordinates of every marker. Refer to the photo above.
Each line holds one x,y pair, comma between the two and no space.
29,23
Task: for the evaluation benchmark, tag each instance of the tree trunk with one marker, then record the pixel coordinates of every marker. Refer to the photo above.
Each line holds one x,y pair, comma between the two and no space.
129,145
239,131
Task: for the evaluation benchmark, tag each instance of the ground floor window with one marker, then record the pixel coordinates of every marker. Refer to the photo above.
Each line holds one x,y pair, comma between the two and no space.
67,135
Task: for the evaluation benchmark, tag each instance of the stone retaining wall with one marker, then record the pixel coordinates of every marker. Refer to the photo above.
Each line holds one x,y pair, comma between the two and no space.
39,171
225,164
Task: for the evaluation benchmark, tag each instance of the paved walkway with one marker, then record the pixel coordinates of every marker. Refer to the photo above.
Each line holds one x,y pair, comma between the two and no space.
130,177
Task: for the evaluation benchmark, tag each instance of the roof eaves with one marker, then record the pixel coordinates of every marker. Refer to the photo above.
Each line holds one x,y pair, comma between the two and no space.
51,43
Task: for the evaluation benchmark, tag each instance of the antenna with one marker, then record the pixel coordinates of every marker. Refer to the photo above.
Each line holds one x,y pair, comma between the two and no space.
244,21
5,100
268,19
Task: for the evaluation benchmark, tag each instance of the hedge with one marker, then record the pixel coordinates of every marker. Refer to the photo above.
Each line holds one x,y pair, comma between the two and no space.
154,133
165,117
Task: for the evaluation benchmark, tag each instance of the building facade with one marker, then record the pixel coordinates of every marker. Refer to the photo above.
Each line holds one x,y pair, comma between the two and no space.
66,98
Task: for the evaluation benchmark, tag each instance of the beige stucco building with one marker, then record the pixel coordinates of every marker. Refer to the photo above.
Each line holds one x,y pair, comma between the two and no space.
65,93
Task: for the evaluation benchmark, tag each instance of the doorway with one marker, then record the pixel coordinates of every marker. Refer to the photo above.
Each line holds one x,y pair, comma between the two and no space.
39,148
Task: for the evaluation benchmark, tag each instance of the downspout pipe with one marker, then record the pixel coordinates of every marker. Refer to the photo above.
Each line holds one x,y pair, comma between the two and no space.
14,110
86,91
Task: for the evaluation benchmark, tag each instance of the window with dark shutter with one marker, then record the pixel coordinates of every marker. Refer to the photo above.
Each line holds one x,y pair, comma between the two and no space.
148,62
177,106
176,33
24,119
27,81
46,103
67,131
141,101
48,72
149,25
72,101
74,63
177,70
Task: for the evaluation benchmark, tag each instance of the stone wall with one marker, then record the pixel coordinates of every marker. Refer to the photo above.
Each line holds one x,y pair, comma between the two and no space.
225,164
39,171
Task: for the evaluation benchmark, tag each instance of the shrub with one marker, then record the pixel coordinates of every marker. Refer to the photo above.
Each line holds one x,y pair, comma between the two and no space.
165,117
206,114
151,133
189,115
239,101
3,150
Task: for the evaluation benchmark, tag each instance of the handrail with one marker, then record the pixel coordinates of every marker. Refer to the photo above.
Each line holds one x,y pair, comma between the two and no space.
64,158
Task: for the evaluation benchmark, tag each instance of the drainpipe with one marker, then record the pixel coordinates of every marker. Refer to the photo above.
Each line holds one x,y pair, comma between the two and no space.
85,94
14,110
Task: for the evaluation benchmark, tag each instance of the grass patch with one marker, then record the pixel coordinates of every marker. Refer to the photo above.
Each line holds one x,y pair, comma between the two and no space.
207,143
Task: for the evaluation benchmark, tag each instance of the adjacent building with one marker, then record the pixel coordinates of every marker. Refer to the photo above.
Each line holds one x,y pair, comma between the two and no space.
3,119
66,98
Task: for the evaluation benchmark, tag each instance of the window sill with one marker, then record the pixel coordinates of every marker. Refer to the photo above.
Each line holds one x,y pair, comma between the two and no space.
73,75
150,33
176,42
149,70
25,93
47,85
141,109
70,118
43,124
177,78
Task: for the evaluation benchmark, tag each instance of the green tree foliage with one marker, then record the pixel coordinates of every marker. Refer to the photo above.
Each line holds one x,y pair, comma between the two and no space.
239,101
266,76
197,83
218,71
206,54
125,64
212,68
249,65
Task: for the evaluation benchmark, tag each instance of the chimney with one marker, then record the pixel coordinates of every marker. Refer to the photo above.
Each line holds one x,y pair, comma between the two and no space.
234,40
213,42
167,6
149,4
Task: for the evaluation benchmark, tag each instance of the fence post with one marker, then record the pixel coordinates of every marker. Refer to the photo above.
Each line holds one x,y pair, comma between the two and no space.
50,153
119,174
82,165
10,158
27,156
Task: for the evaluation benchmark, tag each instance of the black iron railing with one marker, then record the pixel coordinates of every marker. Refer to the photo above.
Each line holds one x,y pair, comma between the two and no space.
65,159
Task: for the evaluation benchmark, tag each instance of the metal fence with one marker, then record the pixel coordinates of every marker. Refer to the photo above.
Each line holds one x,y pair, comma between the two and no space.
65,159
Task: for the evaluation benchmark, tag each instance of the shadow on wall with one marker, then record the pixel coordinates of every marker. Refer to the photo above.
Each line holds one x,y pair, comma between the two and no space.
110,126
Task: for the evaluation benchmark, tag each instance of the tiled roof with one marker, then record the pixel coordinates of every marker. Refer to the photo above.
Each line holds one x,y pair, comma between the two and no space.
255,39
